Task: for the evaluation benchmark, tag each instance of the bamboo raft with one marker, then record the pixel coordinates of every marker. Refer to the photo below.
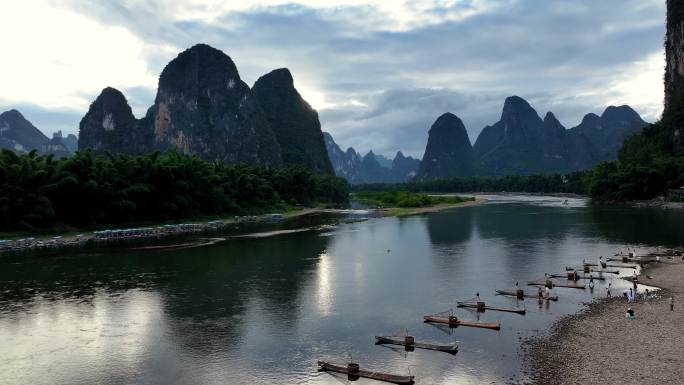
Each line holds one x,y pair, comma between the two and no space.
456,322
354,371
409,343
568,268
634,259
621,266
511,293
569,276
554,284
481,306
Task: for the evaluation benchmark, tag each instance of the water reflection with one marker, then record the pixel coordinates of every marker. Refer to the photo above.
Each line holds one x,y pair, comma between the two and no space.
262,311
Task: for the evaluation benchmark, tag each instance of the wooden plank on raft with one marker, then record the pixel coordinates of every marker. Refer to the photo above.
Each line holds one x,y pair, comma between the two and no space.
353,370
409,343
456,322
478,306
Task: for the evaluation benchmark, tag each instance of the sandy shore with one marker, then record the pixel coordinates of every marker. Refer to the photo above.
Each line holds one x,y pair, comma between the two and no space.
402,212
601,346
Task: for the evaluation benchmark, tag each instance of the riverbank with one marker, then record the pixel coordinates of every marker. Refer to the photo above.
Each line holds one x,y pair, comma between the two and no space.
153,233
149,233
402,212
601,346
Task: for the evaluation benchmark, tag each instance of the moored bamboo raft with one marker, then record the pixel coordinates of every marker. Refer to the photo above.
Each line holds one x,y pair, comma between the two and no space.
354,371
597,271
481,306
570,277
512,293
554,284
456,322
621,266
410,343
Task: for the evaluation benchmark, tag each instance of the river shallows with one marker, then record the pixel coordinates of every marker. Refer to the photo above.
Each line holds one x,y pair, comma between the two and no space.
263,310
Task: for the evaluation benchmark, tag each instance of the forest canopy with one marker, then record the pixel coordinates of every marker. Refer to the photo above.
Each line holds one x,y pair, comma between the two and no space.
39,191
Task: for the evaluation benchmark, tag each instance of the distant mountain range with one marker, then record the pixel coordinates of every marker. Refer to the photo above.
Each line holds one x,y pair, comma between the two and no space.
370,168
203,107
519,143
21,136
523,143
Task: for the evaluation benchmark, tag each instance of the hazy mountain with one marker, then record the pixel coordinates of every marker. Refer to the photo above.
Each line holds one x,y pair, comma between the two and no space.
294,122
608,131
448,153
384,161
109,125
404,168
367,169
57,147
513,145
19,135
522,143
70,141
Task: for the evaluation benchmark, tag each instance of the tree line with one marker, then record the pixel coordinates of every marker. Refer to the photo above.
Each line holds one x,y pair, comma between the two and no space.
40,191
574,182
404,199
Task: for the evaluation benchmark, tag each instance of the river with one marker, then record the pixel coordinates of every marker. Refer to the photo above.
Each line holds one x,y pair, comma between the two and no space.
263,310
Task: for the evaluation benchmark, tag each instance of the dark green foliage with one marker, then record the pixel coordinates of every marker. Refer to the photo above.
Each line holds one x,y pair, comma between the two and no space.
539,183
402,198
647,165
87,190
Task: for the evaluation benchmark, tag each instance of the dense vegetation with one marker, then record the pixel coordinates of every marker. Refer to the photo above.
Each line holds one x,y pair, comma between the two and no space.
647,164
540,183
405,199
87,190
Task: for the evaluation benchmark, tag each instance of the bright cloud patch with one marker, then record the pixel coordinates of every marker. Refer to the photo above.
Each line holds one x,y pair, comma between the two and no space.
57,58
378,71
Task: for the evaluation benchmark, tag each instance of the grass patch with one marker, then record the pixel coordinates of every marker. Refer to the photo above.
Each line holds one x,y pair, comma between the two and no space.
405,199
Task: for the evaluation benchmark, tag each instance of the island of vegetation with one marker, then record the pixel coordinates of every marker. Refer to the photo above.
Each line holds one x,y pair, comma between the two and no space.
401,202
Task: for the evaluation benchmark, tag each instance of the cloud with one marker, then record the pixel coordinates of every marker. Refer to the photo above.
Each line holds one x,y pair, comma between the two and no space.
379,72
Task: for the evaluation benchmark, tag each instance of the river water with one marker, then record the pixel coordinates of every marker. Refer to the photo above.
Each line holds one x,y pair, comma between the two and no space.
263,310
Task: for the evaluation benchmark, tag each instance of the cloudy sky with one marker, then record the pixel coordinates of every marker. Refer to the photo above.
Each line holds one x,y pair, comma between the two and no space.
379,72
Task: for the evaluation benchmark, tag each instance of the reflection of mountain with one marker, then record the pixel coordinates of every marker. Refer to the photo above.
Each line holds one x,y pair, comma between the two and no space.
639,226
525,223
215,286
205,291
450,227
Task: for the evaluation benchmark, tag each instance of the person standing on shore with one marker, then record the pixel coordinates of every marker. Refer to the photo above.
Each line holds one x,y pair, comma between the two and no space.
630,314
671,303
608,290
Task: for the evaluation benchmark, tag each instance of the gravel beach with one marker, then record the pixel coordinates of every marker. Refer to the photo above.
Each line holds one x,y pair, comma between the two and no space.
601,346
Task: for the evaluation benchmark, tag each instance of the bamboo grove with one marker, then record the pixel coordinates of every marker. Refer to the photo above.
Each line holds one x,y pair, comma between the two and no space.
39,191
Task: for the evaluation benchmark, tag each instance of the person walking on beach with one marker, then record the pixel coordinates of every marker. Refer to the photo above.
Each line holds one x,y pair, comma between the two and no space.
671,303
608,290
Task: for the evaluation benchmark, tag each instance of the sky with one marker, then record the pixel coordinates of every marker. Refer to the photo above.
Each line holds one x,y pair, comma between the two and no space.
378,72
